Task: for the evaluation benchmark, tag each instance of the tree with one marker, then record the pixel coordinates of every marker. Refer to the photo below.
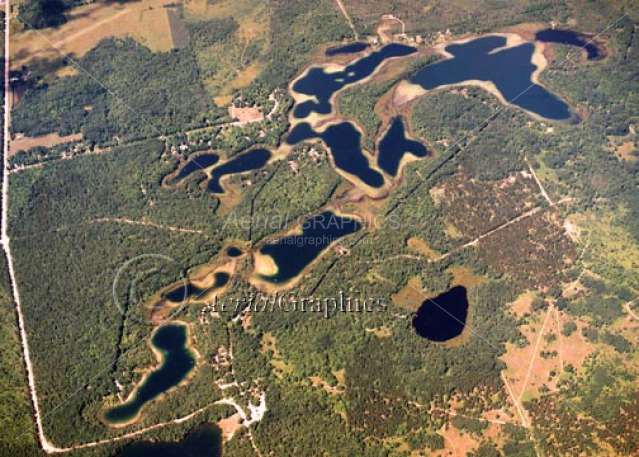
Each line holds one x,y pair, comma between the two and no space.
40,14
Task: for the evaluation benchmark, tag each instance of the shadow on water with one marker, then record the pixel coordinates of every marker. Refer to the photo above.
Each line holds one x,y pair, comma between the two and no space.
570,38
203,441
351,48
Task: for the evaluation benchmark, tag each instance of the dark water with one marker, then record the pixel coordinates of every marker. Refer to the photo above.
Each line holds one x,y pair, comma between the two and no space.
394,145
189,291
293,253
195,164
509,69
344,143
178,361
234,251
323,85
252,160
351,48
443,317
571,38
204,441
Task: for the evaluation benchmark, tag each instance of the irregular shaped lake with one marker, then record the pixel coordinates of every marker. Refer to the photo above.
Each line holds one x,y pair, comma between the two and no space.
316,82
443,317
292,254
251,160
189,291
177,361
199,163
570,38
509,69
344,143
394,145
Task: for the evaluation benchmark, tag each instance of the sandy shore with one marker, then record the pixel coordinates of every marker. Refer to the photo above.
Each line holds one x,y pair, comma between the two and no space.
159,356
407,92
264,265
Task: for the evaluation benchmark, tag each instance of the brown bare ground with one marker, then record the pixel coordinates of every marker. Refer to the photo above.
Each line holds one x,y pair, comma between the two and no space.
316,381
387,28
456,443
626,151
570,350
146,21
420,246
409,298
47,141
230,425
521,306
575,348
527,31
463,276
248,114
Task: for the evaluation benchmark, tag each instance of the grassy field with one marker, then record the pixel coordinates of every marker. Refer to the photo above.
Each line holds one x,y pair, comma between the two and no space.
147,21
231,64
46,141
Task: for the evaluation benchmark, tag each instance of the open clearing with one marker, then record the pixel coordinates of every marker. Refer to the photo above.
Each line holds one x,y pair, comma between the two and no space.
47,141
147,21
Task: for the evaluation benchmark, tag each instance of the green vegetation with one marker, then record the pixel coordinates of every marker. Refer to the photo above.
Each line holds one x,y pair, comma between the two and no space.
40,14
117,96
75,223
17,436
358,102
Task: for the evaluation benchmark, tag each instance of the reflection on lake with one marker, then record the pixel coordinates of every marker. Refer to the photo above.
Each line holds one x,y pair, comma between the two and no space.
204,441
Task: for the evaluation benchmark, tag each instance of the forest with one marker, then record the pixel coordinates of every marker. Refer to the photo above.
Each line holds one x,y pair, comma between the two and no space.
353,383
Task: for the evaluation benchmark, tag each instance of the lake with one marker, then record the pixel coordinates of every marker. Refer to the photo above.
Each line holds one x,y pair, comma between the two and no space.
345,146
510,70
351,48
203,441
189,291
316,82
251,160
194,164
171,341
570,38
394,145
443,317
234,252
293,253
